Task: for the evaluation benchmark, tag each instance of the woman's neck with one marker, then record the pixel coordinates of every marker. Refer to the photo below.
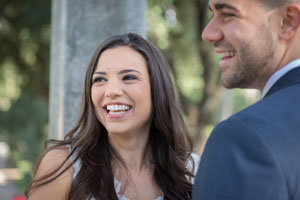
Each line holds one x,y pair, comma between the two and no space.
133,150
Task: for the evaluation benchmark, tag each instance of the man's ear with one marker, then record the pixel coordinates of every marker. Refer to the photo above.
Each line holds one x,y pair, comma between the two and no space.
290,21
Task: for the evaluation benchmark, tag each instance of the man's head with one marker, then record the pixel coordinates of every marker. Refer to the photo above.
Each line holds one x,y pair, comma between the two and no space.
254,38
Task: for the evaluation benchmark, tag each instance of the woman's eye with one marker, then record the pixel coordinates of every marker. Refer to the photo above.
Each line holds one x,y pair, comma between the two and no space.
129,77
99,79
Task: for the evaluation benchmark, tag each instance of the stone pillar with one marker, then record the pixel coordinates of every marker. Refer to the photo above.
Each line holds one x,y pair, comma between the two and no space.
78,27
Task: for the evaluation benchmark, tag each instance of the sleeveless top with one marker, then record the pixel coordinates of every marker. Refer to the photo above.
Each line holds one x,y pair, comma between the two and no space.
77,165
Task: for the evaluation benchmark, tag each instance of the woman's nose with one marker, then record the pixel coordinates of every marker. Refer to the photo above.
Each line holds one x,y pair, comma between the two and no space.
114,89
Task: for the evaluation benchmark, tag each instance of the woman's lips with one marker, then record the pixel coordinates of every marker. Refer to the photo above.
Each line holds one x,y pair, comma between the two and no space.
116,115
118,110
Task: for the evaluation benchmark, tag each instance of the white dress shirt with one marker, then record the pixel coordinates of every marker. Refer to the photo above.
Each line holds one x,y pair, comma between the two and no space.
277,75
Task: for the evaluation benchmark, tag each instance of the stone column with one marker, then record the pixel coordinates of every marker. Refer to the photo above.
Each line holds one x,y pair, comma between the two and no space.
78,27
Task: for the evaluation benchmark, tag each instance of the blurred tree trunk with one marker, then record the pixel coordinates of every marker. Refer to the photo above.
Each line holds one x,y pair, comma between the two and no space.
209,105
185,44
200,114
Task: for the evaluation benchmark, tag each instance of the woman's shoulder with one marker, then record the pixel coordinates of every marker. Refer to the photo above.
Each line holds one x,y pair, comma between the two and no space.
56,154
53,164
54,158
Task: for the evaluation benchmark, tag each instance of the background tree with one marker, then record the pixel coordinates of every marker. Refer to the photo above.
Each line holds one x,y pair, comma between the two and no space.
24,78
192,61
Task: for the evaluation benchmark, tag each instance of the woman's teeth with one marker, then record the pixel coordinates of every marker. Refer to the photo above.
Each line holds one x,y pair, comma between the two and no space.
117,109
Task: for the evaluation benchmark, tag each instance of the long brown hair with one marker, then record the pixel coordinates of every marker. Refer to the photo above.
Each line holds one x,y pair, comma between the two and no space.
169,141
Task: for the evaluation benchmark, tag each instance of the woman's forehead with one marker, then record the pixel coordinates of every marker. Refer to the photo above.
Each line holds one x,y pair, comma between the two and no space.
120,58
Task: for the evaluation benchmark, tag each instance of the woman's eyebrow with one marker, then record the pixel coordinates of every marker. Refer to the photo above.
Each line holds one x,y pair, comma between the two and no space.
121,72
101,73
128,70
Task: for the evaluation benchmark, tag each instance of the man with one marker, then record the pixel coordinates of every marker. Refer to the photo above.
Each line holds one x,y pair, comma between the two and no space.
255,154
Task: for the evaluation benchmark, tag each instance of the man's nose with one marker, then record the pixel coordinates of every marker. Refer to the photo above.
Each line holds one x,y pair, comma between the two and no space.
212,32
114,88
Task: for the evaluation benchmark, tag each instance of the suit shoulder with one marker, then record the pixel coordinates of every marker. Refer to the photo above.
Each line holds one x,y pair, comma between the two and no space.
233,127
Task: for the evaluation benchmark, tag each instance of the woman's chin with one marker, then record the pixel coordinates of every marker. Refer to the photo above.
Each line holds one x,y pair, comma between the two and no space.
118,132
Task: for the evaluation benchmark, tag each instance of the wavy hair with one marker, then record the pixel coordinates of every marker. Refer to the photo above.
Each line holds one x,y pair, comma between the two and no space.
170,144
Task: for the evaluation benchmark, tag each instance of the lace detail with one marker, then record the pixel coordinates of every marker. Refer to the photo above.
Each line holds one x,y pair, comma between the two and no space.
123,197
189,166
76,164
117,183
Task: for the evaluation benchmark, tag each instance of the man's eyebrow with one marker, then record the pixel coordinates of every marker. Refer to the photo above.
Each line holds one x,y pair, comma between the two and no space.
128,70
220,6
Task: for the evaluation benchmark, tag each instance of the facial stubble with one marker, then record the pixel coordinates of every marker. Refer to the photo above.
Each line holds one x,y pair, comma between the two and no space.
252,59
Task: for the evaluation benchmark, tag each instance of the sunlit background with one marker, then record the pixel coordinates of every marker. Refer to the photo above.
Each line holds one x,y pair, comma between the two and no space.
175,26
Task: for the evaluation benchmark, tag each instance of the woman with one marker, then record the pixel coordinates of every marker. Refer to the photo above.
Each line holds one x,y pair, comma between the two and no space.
130,141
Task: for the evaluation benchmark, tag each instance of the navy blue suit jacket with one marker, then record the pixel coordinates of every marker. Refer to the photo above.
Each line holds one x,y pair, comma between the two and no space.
255,154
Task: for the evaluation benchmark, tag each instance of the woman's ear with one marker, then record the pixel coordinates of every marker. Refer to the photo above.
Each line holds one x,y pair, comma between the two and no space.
290,21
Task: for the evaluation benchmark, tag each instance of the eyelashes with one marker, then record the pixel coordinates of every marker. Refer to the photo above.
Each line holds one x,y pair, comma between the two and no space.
99,79
129,77
125,78
223,15
227,15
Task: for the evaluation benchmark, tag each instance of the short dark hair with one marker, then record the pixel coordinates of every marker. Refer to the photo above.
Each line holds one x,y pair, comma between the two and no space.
277,3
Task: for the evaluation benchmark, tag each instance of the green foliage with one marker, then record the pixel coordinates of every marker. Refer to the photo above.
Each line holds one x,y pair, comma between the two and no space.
24,79
24,124
176,27
10,85
168,23
25,168
243,98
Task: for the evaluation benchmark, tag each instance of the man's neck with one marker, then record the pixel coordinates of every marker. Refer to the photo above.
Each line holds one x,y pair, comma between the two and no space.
278,74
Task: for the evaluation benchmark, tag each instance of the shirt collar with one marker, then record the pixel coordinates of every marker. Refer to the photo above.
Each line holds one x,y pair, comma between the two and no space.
277,75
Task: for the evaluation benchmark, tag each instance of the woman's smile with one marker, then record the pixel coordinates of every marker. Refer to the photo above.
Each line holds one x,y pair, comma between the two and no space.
117,110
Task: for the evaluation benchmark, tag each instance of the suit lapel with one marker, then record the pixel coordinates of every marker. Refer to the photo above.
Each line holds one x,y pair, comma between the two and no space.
290,78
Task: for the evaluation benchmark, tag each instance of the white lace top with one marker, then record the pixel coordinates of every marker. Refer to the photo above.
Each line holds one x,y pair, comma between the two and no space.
77,166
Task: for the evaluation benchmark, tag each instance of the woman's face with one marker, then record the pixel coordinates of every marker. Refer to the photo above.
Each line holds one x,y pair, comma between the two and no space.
121,92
